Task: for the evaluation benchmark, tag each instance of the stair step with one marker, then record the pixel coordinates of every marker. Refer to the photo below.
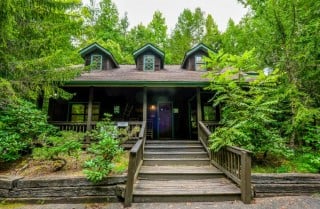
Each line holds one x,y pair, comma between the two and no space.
176,154
173,149
176,161
216,189
179,172
191,142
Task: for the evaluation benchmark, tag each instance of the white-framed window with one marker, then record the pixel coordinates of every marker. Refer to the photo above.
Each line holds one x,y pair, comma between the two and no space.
200,64
96,62
148,63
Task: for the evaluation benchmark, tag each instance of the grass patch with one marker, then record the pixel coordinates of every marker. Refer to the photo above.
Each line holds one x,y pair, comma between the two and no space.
4,205
121,163
300,162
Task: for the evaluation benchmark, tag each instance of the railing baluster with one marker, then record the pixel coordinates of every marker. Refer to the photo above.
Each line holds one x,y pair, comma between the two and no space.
233,161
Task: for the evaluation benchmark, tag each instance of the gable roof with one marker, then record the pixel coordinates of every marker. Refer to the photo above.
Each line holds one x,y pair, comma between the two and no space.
149,47
128,75
197,48
95,46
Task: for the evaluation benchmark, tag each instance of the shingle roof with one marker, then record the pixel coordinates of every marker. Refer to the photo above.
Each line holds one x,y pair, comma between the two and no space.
129,73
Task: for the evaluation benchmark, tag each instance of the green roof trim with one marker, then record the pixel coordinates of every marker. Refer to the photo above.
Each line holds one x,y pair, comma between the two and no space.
198,47
152,48
145,48
137,83
83,52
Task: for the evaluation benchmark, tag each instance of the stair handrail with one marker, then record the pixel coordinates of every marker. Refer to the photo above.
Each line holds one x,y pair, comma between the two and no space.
135,162
233,161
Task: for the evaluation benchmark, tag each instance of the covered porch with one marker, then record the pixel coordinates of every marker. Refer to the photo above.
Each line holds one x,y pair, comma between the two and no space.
169,112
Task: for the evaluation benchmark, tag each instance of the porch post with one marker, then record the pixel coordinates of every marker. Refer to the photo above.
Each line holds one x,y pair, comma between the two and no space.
199,111
89,116
144,108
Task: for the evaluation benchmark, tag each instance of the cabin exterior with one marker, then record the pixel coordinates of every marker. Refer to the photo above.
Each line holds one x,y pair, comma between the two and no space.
171,107
170,98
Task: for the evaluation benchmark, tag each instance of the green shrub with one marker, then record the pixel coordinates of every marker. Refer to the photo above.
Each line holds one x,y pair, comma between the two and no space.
103,151
10,147
54,148
20,125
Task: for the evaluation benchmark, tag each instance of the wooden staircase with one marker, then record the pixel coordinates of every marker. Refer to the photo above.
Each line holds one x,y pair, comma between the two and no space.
180,171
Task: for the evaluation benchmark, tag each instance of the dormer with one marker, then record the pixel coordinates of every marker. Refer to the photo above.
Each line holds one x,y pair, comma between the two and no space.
149,58
194,58
98,58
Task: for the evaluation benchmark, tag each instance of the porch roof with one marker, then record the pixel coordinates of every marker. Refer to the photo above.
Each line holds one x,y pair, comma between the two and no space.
128,75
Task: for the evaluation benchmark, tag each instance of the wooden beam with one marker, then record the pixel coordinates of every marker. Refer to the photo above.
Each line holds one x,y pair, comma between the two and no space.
144,117
89,116
199,111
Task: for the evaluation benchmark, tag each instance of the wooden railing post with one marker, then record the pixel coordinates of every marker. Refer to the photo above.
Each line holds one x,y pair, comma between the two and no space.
130,180
246,178
135,162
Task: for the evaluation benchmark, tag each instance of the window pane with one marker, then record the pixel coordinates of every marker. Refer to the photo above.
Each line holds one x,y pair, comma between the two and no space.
116,109
77,118
209,113
96,62
77,109
95,117
148,64
199,63
95,109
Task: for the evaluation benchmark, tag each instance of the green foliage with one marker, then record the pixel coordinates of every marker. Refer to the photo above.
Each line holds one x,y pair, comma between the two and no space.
248,109
54,148
20,125
103,151
25,120
11,146
7,94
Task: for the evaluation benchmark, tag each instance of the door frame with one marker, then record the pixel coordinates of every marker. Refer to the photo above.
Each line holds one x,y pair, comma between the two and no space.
158,118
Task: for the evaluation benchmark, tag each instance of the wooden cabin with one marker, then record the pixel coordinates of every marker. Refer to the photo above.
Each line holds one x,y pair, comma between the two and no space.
169,97
168,102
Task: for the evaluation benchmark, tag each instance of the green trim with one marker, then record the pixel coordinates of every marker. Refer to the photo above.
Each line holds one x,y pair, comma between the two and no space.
147,46
95,45
137,83
193,50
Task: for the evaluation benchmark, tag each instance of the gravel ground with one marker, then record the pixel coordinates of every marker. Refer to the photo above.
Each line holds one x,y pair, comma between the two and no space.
297,202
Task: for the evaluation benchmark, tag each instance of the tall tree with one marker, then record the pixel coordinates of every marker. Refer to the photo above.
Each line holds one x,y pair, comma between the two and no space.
35,40
188,32
288,41
212,35
158,29
108,24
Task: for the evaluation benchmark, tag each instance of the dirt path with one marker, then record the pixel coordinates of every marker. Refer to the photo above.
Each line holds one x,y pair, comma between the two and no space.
299,202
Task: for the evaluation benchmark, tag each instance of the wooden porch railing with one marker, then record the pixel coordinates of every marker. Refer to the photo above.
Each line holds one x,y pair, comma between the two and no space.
72,126
82,127
211,125
135,162
234,162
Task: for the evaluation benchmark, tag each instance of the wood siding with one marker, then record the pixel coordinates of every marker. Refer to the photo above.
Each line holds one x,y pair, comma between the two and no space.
157,60
191,60
107,63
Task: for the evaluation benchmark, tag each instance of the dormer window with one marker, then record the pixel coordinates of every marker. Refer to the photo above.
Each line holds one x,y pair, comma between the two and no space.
96,62
200,64
148,63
